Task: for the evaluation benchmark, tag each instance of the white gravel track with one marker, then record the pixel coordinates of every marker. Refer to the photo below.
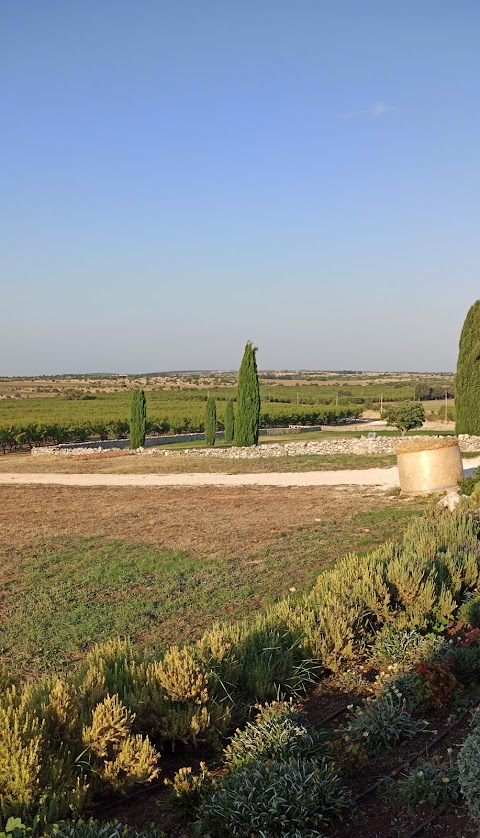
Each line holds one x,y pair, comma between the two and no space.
385,478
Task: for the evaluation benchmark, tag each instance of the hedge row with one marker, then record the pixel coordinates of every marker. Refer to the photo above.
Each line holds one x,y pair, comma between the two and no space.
68,741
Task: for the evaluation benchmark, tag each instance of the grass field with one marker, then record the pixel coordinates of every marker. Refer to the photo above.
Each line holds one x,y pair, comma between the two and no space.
82,565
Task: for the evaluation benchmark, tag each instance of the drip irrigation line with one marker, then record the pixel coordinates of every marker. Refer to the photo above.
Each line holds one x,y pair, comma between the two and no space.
430,748
438,814
334,714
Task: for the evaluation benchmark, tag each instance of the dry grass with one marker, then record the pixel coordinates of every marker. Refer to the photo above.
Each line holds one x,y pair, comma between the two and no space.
178,464
83,564
201,521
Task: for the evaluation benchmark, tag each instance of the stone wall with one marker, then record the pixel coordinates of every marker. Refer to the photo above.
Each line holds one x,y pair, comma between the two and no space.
379,445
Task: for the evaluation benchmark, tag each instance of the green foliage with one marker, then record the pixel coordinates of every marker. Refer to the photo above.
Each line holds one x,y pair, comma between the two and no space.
99,829
469,771
278,780
405,416
434,782
470,612
118,758
397,646
229,422
290,799
278,732
247,422
465,664
210,421
78,829
383,722
470,483
138,418
467,379
188,789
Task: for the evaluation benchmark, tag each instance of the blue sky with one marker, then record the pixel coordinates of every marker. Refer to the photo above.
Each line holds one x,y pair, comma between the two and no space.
177,178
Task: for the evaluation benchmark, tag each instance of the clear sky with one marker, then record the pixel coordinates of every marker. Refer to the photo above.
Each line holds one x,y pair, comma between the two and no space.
180,176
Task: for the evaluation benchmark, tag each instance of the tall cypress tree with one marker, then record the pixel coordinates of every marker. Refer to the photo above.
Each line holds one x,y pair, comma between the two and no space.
229,422
467,380
210,421
138,419
247,422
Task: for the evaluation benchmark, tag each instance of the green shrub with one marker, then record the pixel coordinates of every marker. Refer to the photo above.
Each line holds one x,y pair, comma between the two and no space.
470,612
469,772
393,645
434,782
99,829
187,789
265,798
278,732
383,722
40,776
470,483
465,662
119,759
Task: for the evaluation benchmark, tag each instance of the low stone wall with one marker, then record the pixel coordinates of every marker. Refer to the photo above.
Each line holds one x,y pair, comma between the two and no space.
380,445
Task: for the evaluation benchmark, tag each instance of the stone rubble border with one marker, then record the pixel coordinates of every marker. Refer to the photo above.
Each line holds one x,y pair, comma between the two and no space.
363,446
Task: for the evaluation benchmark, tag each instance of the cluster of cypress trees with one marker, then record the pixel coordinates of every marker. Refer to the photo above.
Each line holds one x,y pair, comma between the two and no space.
467,380
241,429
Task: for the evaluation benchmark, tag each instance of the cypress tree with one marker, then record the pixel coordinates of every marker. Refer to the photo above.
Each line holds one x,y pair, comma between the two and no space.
138,419
247,422
467,380
210,421
229,422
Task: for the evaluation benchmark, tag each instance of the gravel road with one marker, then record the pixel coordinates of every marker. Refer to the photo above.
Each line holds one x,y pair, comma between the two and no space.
385,478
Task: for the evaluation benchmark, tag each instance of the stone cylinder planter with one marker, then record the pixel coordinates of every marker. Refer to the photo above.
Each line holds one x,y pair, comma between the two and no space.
429,465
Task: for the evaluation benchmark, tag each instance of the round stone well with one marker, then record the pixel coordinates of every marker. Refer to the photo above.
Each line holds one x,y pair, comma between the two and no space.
429,464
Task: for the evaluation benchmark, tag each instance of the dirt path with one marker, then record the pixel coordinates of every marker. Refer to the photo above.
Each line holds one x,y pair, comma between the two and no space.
383,477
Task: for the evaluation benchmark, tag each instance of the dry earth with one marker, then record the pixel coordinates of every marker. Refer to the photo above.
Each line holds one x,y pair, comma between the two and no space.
203,522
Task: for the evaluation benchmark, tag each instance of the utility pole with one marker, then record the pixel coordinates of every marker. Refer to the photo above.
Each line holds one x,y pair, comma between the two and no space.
446,406
381,404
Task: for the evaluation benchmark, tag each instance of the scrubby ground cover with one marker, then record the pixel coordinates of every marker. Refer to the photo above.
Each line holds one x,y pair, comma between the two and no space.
79,565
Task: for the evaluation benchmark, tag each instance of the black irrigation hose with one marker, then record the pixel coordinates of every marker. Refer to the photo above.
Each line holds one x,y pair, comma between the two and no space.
438,814
334,714
429,748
